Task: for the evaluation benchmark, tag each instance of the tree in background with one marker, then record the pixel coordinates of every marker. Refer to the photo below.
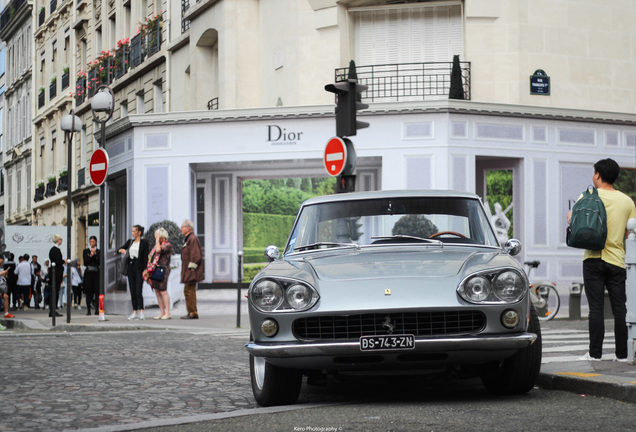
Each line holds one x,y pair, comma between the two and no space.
626,182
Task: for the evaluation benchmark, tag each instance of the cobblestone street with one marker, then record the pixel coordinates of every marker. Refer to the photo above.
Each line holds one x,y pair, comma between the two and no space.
93,379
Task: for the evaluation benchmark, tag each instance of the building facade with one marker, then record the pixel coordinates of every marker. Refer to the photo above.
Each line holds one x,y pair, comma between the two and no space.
211,92
16,32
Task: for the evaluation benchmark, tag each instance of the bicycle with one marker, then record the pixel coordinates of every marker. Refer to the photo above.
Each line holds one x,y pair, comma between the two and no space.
544,296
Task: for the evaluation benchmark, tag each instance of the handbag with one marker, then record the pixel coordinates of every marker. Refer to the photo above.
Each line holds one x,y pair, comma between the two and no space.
124,263
158,274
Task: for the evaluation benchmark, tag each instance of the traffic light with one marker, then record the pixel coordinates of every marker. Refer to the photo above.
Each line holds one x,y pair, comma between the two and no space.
348,104
345,183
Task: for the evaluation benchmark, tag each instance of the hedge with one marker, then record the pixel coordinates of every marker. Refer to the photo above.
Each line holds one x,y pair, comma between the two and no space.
262,230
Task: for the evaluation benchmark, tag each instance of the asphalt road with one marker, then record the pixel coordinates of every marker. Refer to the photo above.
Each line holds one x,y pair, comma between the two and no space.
161,380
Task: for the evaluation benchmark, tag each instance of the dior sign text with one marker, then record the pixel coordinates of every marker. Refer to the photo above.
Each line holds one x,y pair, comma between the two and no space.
280,136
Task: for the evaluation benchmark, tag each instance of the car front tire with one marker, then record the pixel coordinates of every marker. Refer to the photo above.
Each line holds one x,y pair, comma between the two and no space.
517,374
273,385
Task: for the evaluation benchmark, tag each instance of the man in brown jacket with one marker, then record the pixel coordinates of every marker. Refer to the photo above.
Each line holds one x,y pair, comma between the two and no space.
191,268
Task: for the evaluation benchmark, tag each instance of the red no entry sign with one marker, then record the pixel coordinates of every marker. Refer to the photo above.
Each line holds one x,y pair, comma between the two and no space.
335,156
98,167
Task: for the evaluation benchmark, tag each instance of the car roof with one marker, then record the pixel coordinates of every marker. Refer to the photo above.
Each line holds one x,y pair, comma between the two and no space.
354,196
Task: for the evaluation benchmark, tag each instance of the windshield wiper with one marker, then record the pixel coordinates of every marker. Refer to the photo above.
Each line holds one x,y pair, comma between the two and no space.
319,244
408,237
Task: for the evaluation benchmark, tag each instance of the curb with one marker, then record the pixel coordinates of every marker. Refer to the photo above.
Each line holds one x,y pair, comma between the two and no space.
605,388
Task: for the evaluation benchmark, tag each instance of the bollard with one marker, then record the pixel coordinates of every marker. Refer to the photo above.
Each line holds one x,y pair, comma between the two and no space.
239,286
630,287
574,305
102,317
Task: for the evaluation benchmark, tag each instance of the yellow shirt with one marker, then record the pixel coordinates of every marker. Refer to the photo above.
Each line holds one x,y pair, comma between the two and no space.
619,208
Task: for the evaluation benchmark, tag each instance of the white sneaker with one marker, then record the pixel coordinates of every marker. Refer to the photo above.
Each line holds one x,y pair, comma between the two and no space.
141,315
588,357
622,360
133,316
79,307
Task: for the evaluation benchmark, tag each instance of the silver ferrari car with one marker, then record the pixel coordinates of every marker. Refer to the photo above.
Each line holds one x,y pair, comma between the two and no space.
392,281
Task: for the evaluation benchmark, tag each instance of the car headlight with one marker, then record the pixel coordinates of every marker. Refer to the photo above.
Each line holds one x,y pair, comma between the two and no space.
493,287
281,295
298,296
508,286
266,295
477,289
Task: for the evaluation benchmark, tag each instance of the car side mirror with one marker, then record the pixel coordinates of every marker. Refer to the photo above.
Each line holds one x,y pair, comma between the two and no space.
513,247
272,253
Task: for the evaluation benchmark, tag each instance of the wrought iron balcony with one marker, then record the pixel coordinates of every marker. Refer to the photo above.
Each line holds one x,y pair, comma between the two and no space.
137,50
41,16
407,81
52,90
153,40
53,6
213,104
41,99
65,80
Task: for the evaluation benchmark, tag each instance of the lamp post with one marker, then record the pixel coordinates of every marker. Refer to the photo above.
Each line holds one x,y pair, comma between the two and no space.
103,102
69,124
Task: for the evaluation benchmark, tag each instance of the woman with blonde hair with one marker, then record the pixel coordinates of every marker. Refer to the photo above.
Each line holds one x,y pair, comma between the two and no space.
158,262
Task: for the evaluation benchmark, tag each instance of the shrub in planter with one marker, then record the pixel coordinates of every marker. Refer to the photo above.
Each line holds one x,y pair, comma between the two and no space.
174,235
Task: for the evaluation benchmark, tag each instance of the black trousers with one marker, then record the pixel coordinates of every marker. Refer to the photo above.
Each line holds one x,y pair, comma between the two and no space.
598,276
91,289
136,284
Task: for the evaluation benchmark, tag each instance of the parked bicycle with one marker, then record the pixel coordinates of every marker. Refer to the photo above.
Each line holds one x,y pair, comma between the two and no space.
544,295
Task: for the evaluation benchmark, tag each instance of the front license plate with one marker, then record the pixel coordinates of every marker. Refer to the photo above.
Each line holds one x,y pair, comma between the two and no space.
369,343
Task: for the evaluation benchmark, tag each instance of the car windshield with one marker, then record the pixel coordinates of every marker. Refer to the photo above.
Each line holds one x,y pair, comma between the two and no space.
391,220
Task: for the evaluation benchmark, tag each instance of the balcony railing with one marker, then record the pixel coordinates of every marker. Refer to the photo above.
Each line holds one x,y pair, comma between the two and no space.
137,51
41,16
213,104
53,6
112,68
65,80
80,90
41,99
407,81
52,90
153,41
9,11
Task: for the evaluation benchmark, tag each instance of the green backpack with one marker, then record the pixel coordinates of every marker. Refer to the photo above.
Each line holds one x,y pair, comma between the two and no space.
588,225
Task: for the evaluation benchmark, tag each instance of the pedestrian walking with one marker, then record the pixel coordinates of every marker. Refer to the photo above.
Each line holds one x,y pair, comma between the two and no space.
37,289
55,255
137,249
4,289
35,265
12,281
76,284
92,264
23,272
159,262
191,268
46,279
605,269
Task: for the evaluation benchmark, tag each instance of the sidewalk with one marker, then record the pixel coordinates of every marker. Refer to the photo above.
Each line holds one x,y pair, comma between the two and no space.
217,315
217,311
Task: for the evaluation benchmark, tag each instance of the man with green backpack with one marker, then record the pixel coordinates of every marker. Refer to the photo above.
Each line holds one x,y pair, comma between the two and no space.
604,267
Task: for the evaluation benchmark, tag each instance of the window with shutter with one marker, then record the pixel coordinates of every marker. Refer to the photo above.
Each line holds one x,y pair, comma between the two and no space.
407,35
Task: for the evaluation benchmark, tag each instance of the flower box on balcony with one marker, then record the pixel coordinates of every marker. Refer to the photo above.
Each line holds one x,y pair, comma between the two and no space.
50,188
52,89
62,184
65,79
39,193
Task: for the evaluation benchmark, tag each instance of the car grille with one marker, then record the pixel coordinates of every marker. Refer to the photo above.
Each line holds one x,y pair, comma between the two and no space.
415,323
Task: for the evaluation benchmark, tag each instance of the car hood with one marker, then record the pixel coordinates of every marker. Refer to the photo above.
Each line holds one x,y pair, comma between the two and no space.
390,277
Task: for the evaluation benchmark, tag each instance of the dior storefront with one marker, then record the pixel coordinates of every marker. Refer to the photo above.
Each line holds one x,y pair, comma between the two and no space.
191,166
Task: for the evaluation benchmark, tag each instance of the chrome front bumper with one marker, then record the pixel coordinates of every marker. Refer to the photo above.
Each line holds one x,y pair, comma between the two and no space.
491,343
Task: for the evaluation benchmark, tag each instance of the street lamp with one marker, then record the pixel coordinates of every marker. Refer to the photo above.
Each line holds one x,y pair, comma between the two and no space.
103,102
70,124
